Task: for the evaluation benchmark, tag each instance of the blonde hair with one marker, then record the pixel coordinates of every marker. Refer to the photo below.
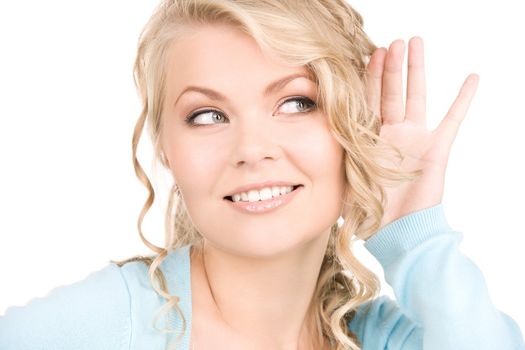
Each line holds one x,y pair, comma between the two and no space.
327,37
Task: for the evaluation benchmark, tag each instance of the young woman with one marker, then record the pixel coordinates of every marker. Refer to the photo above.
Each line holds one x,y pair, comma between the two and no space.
287,137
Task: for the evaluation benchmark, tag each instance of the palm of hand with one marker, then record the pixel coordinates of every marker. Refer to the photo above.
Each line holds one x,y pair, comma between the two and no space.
405,128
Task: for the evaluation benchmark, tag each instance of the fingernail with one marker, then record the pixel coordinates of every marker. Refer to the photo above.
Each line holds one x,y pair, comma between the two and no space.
417,39
396,41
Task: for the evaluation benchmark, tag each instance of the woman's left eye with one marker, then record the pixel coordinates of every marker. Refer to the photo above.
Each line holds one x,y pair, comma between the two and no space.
297,105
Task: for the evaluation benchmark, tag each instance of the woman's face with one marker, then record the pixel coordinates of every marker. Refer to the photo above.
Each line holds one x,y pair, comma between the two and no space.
252,126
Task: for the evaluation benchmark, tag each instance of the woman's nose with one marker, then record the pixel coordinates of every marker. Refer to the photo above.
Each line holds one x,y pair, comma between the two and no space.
254,140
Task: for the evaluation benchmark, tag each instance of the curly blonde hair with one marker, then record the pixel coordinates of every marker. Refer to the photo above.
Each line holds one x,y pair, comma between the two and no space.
326,37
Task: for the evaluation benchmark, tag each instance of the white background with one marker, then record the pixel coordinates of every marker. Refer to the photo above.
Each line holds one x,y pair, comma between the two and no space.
69,198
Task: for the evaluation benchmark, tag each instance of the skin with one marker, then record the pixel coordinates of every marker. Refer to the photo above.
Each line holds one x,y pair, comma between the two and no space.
256,273
272,259
406,128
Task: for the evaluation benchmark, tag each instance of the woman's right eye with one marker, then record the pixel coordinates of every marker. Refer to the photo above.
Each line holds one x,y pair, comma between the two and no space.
205,117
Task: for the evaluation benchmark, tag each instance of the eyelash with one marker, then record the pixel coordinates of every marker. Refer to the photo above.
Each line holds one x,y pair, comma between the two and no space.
312,107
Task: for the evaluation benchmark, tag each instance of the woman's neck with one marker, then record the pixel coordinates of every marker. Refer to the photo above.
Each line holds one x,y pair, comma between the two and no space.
265,301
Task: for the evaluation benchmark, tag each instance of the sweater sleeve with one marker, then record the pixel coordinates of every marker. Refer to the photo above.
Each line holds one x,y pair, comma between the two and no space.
442,298
90,314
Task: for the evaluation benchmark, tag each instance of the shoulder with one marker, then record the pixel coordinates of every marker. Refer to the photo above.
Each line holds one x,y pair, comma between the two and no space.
174,271
111,308
380,324
146,304
89,314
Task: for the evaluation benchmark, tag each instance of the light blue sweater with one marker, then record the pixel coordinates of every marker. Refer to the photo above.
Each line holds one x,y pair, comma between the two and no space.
442,301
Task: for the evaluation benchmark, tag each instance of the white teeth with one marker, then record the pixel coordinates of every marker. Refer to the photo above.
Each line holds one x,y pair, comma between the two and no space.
253,196
265,193
262,194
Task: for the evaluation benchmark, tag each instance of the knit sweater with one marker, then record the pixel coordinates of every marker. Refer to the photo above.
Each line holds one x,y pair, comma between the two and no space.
442,301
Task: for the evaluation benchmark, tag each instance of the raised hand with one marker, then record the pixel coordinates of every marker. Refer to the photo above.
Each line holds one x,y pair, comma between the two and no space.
405,127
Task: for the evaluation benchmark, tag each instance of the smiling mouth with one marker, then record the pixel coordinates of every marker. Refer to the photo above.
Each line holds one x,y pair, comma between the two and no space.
260,200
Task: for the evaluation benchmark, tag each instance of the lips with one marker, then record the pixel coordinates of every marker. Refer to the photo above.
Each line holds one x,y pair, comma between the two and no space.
294,187
267,206
259,186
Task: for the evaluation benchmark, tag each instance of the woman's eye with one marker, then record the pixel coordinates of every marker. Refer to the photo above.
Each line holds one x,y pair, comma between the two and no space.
290,106
205,117
297,105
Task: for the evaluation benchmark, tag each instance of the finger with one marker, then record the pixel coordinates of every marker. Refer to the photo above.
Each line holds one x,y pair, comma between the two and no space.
374,80
416,86
449,126
392,110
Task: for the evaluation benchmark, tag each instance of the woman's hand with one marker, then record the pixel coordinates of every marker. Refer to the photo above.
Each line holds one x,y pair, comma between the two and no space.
405,127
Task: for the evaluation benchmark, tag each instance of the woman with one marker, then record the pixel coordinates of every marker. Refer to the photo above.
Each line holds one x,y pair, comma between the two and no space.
274,124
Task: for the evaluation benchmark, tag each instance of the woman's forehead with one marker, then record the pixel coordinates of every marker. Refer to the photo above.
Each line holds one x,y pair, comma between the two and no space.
224,56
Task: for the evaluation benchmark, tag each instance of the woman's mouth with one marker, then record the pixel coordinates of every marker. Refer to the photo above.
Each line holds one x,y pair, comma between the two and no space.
260,203
263,194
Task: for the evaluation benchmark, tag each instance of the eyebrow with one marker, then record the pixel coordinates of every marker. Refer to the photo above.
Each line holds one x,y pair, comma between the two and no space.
271,88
